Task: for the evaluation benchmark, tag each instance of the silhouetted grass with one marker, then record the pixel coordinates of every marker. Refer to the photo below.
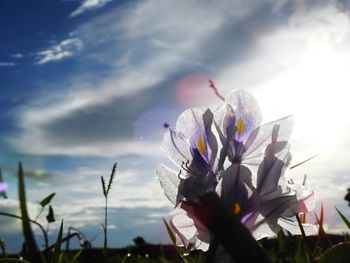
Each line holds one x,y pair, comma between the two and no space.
227,230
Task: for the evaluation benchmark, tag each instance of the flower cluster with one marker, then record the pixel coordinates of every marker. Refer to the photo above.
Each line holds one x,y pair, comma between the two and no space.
230,152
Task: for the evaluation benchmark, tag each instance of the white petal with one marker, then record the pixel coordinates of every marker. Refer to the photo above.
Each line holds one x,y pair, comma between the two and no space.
169,181
261,137
293,227
188,230
244,101
202,245
271,170
220,114
259,228
184,226
306,198
176,147
246,107
191,120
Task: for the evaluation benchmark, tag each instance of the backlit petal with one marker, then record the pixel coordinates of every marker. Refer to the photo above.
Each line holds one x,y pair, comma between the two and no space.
170,182
293,227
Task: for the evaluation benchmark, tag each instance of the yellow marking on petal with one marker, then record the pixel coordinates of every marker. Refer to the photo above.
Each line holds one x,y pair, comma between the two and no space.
201,145
236,208
240,125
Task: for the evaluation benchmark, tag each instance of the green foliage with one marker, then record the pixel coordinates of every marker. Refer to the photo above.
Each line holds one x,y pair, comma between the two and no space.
47,200
34,253
180,250
347,223
106,190
57,250
308,159
50,217
285,248
337,254
13,260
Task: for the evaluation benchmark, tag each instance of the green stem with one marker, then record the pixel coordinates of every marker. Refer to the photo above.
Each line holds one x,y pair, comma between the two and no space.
31,221
306,247
105,229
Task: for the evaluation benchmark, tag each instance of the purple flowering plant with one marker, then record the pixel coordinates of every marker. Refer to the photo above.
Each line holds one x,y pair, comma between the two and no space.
230,153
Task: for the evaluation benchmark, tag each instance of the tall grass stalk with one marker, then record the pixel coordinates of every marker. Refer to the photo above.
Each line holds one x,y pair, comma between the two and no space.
106,189
28,234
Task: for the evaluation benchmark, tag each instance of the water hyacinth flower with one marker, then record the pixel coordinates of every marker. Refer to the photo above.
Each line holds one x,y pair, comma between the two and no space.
263,210
192,147
251,184
270,203
238,122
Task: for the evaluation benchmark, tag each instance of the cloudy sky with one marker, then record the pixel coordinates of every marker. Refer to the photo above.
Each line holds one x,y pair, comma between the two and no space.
88,83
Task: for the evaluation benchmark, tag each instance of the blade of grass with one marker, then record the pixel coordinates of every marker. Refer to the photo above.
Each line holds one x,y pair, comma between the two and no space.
304,180
347,223
50,217
308,159
179,251
76,256
125,258
47,200
303,237
298,254
321,232
170,232
57,249
13,260
337,254
63,240
3,248
281,242
31,221
44,203
35,255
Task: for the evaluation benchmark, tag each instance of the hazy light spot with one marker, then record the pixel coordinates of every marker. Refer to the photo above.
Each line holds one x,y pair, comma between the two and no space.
193,91
3,186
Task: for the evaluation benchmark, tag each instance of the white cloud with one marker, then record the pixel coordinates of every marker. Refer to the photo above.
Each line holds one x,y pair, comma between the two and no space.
89,5
277,69
109,148
66,48
172,44
302,69
17,55
13,226
286,66
7,64
80,201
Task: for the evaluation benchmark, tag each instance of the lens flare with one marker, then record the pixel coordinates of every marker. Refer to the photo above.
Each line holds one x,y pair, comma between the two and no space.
3,186
193,90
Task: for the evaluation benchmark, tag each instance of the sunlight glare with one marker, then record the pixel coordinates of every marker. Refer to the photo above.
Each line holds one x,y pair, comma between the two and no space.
316,92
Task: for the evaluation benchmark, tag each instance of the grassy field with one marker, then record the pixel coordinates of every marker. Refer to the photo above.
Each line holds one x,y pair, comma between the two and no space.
238,245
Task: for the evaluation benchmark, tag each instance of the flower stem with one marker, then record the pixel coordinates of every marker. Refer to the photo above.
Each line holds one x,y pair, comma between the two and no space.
105,228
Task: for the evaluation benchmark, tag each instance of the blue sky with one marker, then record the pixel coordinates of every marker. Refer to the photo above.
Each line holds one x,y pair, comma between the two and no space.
88,83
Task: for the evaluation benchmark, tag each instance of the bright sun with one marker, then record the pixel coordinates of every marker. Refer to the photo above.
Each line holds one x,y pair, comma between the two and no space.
317,92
